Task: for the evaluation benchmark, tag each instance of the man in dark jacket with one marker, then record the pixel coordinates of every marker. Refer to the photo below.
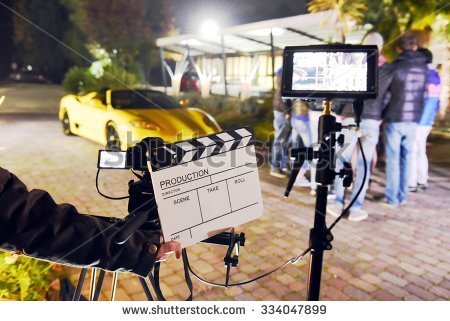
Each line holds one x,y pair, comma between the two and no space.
406,83
33,224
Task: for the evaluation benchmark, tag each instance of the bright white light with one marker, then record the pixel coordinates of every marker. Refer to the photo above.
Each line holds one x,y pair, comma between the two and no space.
266,32
191,42
29,68
209,28
277,32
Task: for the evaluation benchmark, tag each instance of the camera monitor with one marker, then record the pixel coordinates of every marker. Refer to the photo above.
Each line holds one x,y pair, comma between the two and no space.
330,71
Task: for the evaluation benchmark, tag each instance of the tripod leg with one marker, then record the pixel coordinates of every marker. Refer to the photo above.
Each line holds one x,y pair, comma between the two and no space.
98,287
114,285
146,289
316,239
81,279
93,278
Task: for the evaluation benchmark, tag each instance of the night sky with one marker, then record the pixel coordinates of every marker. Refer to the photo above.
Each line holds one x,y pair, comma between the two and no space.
190,13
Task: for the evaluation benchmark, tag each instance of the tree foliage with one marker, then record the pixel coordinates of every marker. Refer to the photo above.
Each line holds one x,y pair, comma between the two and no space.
346,10
80,80
389,17
39,27
23,278
129,28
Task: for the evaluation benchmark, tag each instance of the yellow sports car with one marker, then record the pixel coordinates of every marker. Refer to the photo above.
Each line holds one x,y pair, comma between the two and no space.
121,118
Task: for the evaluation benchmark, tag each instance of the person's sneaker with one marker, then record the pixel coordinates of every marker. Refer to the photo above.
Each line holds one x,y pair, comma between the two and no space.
303,182
357,214
422,187
331,195
386,203
412,189
335,209
276,172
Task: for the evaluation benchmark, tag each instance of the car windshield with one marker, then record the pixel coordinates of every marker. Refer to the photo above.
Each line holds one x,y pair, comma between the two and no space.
141,99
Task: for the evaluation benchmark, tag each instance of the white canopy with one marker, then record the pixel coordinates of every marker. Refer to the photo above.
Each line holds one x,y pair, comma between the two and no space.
258,37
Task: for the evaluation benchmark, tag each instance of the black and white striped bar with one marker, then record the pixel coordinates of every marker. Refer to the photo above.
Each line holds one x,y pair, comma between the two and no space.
198,148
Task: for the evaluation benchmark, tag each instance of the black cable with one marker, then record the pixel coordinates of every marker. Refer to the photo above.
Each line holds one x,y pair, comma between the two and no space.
291,261
106,196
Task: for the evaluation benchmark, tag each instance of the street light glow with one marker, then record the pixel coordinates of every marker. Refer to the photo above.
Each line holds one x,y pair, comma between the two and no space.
209,28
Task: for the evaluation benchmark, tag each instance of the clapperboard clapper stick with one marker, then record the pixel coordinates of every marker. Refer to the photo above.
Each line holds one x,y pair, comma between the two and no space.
206,185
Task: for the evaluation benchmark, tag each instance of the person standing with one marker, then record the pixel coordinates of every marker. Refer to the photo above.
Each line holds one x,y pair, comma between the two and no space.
282,127
301,135
369,134
418,176
407,79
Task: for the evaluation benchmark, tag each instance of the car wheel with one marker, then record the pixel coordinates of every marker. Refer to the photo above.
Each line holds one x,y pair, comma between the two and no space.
66,124
112,138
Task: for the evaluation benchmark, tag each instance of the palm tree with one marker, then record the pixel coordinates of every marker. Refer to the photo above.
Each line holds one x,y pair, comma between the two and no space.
391,18
346,10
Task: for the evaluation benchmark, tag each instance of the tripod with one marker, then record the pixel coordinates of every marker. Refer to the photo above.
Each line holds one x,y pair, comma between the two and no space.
233,241
320,238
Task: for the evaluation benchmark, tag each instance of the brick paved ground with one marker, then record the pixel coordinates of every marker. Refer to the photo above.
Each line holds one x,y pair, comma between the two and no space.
400,254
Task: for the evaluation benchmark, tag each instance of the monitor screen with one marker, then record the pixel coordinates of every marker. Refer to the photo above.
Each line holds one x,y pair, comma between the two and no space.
330,71
108,159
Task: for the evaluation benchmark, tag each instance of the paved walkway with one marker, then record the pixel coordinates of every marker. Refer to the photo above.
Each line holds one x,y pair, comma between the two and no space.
400,254
30,98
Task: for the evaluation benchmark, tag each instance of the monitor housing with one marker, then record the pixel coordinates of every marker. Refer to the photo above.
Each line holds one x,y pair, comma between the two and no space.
330,71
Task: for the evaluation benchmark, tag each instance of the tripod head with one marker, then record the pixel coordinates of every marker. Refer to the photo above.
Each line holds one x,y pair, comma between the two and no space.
328,137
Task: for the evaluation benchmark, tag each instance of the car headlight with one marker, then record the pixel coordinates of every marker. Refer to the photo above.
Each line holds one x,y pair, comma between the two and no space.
145,124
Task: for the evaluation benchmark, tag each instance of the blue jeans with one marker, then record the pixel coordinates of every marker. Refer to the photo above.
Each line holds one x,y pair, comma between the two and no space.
370,130
278,158
398,140
301,129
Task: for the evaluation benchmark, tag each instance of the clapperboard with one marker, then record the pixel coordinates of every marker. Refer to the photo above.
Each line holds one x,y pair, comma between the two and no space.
206,185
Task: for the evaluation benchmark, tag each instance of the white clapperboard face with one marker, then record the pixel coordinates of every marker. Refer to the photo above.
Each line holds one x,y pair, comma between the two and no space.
206,185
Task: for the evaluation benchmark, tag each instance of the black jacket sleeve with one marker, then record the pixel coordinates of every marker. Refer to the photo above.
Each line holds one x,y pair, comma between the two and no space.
32,223
373,108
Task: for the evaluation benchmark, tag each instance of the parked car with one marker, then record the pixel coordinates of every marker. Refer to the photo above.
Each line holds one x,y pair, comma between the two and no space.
28,77
190,82
120,118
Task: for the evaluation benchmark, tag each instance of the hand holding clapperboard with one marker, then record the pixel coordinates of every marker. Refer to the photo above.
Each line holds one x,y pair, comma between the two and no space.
206,185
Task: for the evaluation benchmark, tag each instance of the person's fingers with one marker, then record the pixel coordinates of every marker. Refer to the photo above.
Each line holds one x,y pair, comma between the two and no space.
162,258
168,248
172,246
